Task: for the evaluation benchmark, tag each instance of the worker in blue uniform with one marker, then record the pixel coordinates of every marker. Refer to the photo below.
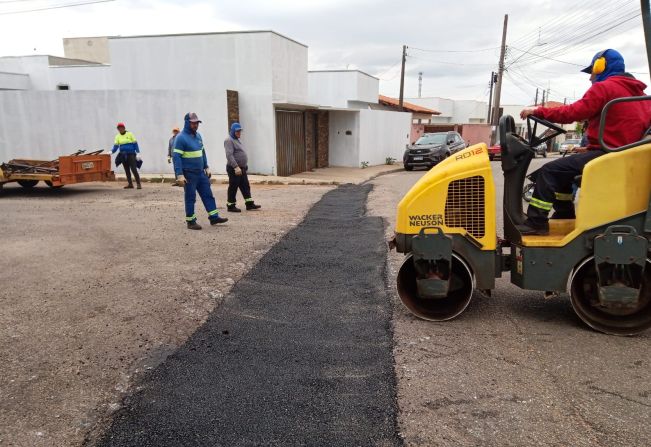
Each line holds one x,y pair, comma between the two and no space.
192,172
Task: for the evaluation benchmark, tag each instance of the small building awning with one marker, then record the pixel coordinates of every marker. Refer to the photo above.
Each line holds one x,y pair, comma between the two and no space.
407,106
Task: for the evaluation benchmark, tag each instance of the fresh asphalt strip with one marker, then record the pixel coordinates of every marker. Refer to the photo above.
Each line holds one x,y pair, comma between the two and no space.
299,353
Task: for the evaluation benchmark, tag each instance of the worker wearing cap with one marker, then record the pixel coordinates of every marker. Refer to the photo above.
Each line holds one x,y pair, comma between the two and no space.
237,167
192,172
625,124
170,145
126,143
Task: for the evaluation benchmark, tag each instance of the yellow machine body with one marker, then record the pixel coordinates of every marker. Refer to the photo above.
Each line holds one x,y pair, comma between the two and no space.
458,196
614,186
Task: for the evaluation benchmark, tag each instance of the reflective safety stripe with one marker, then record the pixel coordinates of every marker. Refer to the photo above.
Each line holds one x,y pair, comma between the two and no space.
541,204
213,213
191,218
178,151
563,196
248,200
231,203
192,154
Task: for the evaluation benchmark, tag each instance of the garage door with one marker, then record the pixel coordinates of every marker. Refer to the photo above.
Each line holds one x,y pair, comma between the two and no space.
290,142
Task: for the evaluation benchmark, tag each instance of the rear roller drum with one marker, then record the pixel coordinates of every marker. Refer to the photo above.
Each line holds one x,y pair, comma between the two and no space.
436,309
629,320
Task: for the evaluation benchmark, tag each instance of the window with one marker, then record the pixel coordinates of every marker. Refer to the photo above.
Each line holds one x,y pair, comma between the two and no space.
431,138
63,87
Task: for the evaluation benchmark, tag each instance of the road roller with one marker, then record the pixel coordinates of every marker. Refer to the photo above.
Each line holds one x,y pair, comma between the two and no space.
446,226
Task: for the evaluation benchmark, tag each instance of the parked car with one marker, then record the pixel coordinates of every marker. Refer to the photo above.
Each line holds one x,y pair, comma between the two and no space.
431,148
568,146
495,151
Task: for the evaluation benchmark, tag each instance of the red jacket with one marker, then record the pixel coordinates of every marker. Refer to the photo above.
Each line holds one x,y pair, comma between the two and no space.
625,123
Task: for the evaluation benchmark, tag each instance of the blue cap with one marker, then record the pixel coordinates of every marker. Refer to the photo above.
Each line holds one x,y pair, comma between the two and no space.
235,127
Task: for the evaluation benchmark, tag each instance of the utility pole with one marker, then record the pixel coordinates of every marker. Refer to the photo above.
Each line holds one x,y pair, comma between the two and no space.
500,72
564,101
420,82
536,102
543,98
490,97
402,76
646,22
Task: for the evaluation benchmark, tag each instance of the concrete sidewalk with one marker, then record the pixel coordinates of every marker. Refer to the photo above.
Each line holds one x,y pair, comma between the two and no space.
335,175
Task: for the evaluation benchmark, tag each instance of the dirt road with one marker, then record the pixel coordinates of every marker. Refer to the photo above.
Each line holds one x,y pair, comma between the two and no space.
100,284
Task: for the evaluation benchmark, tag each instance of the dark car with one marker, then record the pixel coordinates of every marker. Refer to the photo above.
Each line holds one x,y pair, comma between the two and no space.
431,148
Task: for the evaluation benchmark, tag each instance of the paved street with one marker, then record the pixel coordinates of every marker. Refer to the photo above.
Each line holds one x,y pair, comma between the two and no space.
514,369
298,354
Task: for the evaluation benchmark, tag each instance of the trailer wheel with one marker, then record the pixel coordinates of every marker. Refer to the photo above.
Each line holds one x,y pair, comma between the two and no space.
49,183
28,184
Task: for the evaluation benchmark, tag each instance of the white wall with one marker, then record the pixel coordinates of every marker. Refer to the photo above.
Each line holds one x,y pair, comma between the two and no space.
383,134
341,88
470,111
454,111
344,149
34,66
212,63
44,125
14,81
289,69
375,135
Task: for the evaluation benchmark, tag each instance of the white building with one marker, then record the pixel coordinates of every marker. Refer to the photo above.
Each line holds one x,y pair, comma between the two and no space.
293,120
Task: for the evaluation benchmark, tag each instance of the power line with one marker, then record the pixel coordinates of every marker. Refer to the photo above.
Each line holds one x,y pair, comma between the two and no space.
385,71
454,51
448,63
579,38
46,8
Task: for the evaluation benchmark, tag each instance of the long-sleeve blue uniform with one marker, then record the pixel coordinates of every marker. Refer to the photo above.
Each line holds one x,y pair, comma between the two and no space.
190,160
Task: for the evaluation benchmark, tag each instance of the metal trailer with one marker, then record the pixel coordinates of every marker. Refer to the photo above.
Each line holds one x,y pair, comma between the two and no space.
79,167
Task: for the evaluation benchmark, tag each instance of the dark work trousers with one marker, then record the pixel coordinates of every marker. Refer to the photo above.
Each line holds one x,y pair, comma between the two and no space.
554,187
238,181
198,182
131,166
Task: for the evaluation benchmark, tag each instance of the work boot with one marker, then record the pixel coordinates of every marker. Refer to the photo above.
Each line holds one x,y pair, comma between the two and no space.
252,206
139,186
528,228
129,186
233,209
217,220
194,225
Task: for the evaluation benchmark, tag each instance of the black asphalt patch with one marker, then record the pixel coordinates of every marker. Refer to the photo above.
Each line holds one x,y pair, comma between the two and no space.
300,352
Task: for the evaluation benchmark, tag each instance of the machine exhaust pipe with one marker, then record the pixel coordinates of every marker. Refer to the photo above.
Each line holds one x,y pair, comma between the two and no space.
461,286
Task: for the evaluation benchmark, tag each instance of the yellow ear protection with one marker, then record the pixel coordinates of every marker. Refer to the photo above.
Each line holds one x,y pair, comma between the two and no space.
599,65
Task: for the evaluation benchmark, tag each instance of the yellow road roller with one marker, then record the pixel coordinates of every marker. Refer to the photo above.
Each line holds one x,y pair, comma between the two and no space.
446,227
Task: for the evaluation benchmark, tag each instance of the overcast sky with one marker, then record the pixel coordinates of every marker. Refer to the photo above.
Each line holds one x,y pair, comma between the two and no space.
454,43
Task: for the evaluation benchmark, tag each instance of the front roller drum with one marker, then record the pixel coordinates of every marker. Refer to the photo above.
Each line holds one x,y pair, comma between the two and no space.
628,320
461,286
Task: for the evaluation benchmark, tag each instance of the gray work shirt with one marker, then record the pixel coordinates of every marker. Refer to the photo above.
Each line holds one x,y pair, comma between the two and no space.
170,146
235,155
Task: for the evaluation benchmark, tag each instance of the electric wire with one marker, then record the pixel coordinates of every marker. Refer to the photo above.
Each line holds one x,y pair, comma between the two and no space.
47,8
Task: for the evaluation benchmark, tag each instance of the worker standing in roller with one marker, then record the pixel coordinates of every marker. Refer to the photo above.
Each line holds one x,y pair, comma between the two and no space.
192,172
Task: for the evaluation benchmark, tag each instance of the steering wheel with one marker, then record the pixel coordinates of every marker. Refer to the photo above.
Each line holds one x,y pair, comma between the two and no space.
534,140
